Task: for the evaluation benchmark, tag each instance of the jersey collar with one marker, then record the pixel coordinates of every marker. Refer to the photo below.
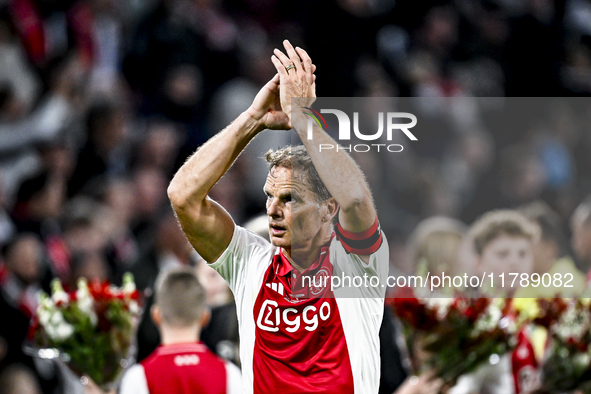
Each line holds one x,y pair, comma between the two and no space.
283,267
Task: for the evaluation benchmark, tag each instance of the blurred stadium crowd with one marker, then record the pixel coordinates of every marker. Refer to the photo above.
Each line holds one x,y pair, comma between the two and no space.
102,100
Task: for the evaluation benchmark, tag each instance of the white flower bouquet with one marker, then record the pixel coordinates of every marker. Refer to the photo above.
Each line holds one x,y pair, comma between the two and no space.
92,328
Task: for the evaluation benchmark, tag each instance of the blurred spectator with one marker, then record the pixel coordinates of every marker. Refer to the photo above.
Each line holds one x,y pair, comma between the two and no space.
7,228
160,146
221,334
93,230
553,243
522,175
259,225
168,248
37,210
18,379
107,33
103,152
80,224
90,266
19,86
190,48
435,244
49,30
551,254
504,241
57,157
517,178
149,197
20,284
18,138
39,200
581,235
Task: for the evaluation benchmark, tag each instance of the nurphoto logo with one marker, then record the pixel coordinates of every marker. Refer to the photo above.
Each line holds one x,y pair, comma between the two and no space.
345,129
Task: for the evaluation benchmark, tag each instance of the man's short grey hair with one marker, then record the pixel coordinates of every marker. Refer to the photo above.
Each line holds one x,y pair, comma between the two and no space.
297,159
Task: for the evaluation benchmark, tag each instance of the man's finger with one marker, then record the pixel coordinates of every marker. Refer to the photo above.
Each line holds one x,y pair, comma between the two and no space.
306,60
282,72
293,56
307,63
282,58
273,82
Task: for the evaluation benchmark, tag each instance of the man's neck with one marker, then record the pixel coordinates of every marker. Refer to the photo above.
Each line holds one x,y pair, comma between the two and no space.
302,258
298,265
174,335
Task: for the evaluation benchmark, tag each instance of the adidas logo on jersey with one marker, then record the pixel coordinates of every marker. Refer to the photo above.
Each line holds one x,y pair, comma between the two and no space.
278,287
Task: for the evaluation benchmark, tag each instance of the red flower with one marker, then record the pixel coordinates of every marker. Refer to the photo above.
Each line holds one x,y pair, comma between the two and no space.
100,291
135,295
476,307
33,327
411,310
553,309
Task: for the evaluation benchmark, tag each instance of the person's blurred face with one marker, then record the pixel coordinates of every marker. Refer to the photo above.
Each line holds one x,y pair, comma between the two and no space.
121,199
24,260
216,288
171,238
150,190
507,254
546,252
49,202
292,209
581,238
94,267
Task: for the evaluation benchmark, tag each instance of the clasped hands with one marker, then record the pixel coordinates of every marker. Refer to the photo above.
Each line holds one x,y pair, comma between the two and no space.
295,79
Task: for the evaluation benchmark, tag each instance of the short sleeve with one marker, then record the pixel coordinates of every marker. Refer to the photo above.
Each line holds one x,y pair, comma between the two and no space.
134,381
233,378
245,248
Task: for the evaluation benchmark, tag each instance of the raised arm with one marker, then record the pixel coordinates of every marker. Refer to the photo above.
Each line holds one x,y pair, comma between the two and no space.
341,175
208,225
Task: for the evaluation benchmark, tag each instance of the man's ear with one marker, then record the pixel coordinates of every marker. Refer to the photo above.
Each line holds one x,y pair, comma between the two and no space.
156,315
331,208
205,318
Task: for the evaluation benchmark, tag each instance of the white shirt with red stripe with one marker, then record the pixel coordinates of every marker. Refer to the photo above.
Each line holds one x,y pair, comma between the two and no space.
184,368
307,339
